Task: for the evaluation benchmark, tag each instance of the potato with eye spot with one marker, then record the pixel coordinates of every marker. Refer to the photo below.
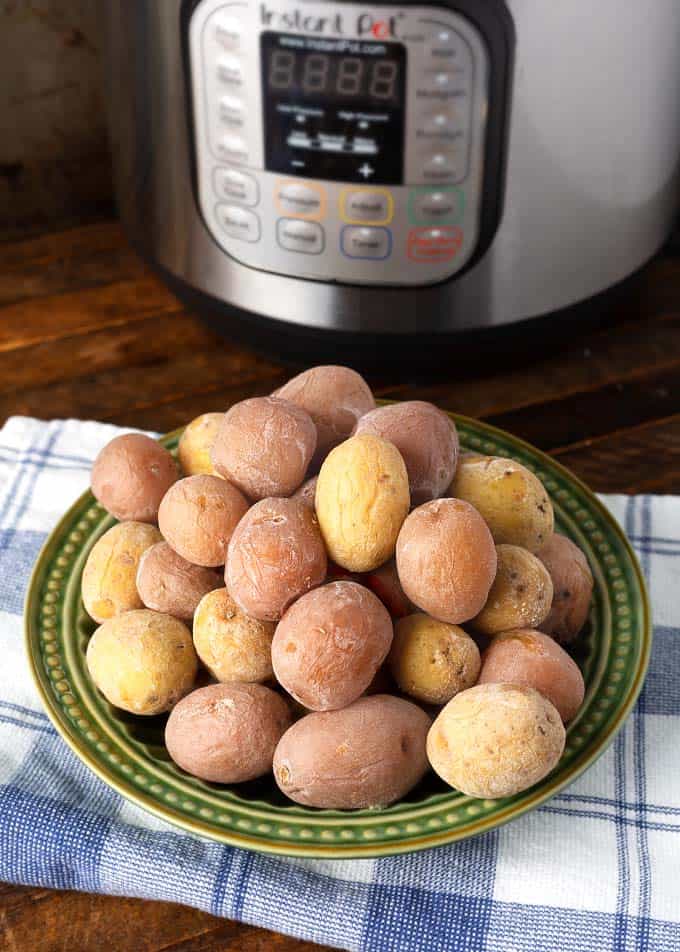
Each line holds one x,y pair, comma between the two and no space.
131,475
573,588
496,740
329,645
227,733
143,661
535,660
362,499
198,515
276,554
168,583
232,646
195,445
109,584
432,661
512,501
366,755
264,447
520,596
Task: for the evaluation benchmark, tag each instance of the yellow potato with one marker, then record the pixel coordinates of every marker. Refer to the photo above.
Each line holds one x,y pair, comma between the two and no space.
432,661
512,501
520,596
109,585
232,645
195,444
362,499
142,662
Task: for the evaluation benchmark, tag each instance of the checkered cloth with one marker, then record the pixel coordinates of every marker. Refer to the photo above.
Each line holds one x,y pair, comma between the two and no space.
597,868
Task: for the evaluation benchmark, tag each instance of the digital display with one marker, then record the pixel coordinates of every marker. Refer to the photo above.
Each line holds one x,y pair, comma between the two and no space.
334,109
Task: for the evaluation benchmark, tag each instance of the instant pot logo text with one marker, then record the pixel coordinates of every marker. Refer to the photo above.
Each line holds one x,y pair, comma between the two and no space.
365,25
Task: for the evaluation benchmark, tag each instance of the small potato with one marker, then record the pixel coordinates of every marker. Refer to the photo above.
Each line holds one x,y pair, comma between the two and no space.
432,661
264,446
520,596
142,662
232,646
512,501
573,588
307,492
362,498
227,733
196,443
197,517
131,475
168,583
426,438
275,555
109,584
535,660
384,582
335,398
367,755
495,740
329,645
446,560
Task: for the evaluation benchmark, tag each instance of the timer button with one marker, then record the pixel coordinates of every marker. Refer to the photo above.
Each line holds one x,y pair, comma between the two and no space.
302,201
239,222
374,243
306,237
228,30
372,206
230,71
233,149
236,186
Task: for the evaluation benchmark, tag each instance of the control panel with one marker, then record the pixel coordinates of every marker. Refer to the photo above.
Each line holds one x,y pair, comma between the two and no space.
339,142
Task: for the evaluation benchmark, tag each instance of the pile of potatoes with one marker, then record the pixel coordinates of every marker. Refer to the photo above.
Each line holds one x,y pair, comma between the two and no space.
328,570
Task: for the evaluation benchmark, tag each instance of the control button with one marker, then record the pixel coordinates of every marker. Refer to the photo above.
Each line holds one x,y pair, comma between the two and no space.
230,71
443,86
239,222
447,48
442,206
232,110
306,237
434,244
444,167
303,201
441,127
375,243
228,30
233,149
372,206
236,186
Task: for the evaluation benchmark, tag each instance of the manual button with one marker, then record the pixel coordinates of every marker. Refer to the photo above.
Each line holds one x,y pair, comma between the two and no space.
302,201
306,237
239,222
436,206
372,206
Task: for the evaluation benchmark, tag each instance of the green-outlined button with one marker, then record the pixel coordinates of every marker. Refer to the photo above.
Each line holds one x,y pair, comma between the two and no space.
429,205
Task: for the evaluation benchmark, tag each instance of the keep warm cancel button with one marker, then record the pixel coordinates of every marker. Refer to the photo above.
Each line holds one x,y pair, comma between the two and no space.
434,244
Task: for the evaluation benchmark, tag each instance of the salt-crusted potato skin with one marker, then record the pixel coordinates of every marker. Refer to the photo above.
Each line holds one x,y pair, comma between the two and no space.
427,440
446,560
109,586
512,501
495,740
366,755
335,398
307,492
227,733
142,662
131,475
362,498
384,582
168,583
195,444
573,588
264,446
431,660
535,660
520,596
275,555
198,515
232,645
329,645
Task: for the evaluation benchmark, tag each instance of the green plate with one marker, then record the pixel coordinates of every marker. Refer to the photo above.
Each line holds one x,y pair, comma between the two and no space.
128,754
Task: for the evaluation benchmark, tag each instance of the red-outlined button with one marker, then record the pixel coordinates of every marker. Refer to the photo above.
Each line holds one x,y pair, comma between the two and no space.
434,244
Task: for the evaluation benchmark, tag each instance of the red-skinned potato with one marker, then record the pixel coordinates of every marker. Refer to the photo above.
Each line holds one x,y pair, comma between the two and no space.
573,588
131,475
168,583
307,492
384,582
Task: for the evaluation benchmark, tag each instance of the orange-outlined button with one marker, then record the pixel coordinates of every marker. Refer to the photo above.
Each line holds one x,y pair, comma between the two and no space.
434,244
300,200
366,206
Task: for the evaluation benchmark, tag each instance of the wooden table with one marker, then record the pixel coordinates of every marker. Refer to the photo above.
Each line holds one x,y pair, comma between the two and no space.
87,331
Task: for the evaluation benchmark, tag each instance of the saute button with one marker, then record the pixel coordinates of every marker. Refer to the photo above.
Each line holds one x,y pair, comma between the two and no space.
230,71
364,205
236,186
239,222
304,201
360,242
233,149
228,30
306,237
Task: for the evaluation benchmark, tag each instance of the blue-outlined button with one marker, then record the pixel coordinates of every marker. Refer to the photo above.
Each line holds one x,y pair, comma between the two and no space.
429,205
360,241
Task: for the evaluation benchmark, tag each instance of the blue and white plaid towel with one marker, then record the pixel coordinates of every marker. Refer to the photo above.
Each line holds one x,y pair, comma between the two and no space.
597,868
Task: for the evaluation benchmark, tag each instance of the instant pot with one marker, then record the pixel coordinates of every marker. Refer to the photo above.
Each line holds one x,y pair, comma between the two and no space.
326,171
